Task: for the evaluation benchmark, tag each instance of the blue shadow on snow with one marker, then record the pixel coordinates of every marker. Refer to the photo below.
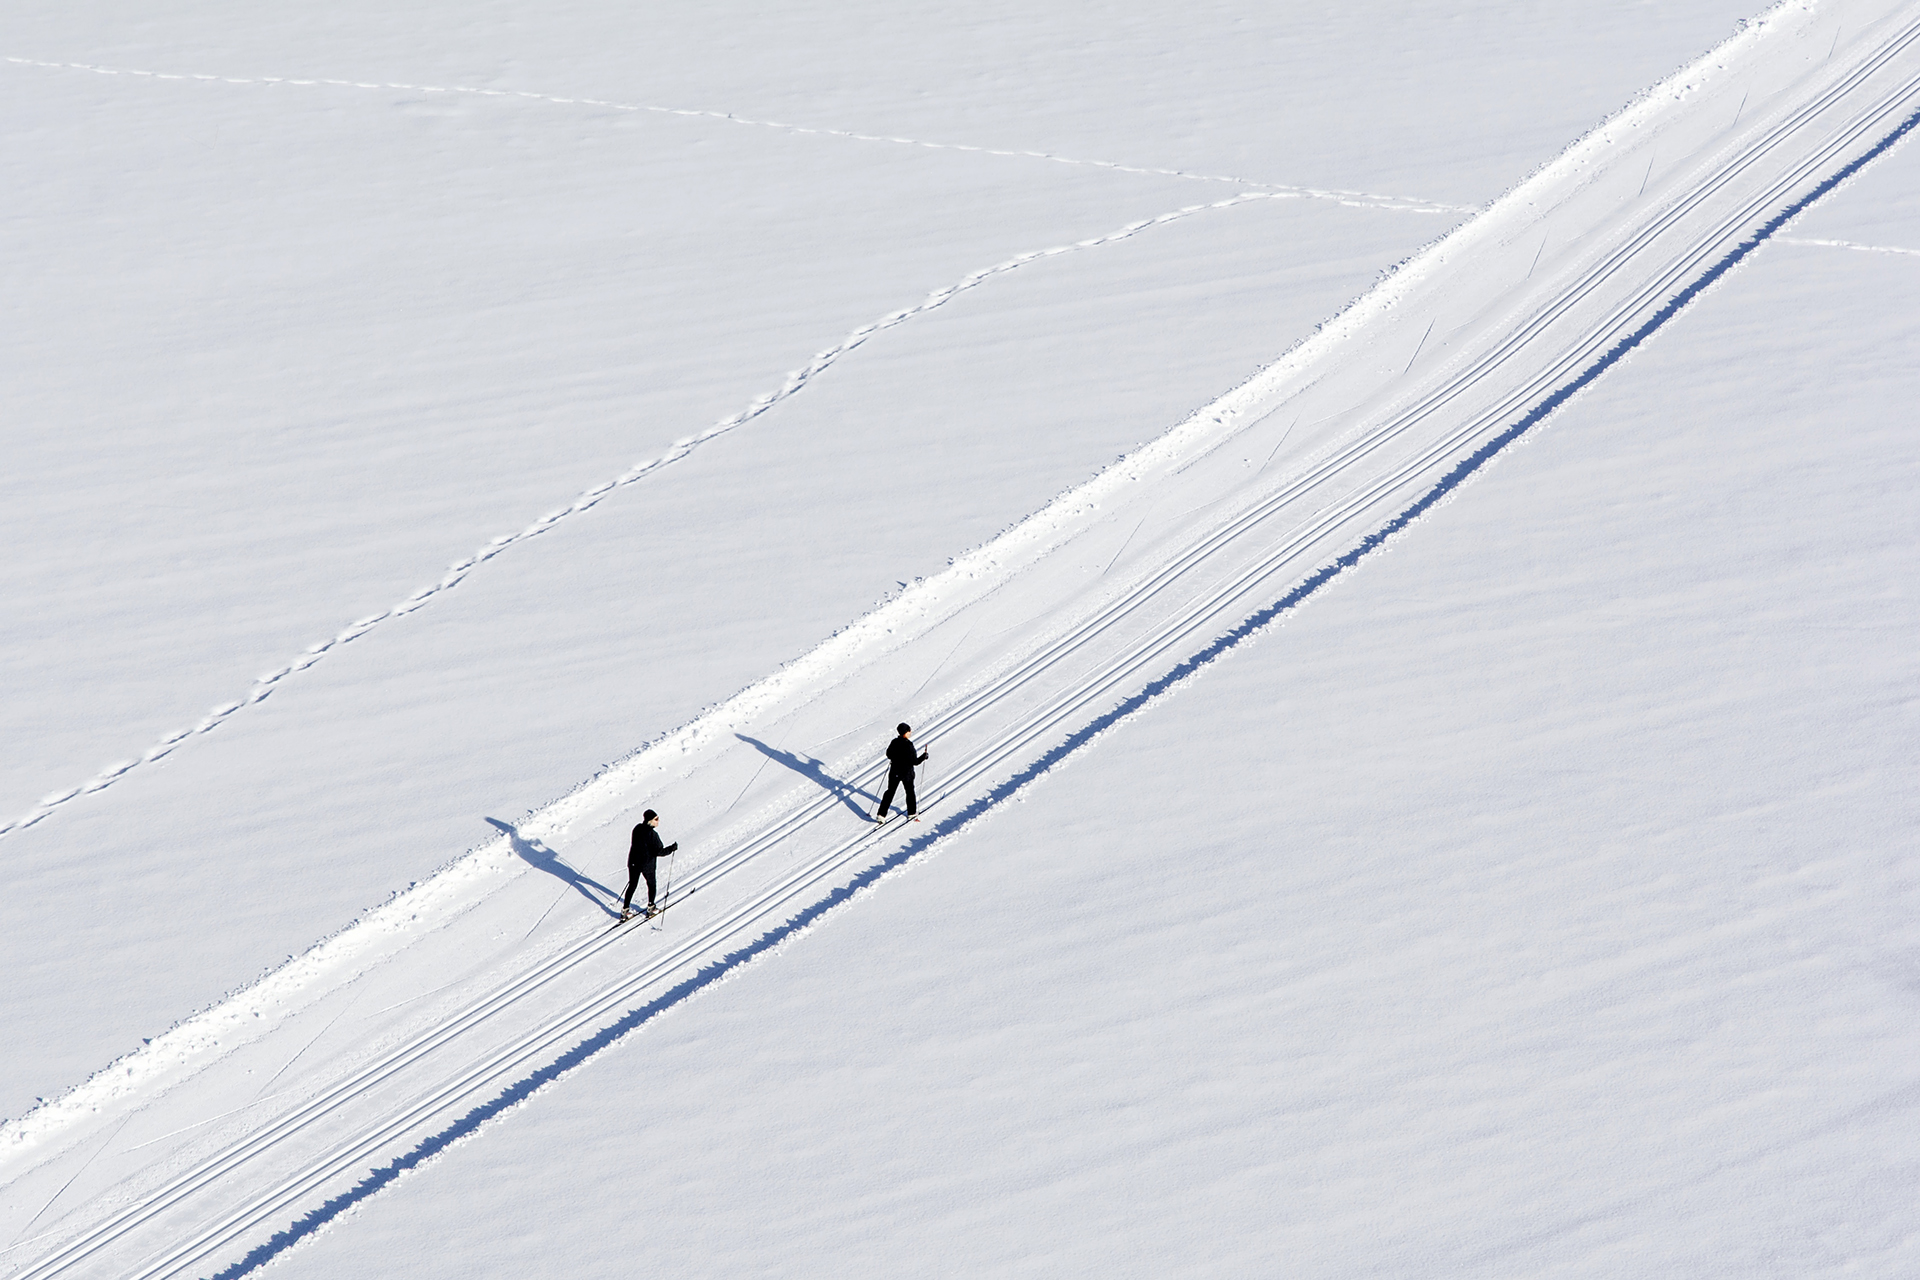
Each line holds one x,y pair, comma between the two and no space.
522,1089
537,854
814,769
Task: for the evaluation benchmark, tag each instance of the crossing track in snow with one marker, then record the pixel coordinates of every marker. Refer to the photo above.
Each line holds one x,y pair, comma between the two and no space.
1062,636
1354,199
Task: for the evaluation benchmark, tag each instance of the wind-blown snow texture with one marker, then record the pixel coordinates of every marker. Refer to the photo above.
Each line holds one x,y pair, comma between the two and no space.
1536,902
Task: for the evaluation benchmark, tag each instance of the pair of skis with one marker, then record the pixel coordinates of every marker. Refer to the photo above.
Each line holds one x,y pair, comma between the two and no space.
656,912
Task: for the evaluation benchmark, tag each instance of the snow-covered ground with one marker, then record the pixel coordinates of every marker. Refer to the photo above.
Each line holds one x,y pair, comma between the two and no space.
1542,901
1533,902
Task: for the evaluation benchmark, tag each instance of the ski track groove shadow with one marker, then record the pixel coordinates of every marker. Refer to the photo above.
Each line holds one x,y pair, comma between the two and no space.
801,921
796,381
1355,199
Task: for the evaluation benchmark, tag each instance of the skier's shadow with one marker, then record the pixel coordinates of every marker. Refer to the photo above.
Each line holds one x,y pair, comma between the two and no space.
538,855
815,769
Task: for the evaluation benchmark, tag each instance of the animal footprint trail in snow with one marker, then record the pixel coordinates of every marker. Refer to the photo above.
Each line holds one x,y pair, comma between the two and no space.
681,449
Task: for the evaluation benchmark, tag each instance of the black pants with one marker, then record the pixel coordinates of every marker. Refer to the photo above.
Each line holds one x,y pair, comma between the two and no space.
637,868
897,779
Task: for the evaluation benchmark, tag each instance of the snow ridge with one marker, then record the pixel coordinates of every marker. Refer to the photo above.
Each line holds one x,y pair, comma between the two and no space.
1356,199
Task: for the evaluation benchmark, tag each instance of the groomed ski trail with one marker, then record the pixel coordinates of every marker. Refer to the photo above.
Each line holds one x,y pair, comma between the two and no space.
1514,313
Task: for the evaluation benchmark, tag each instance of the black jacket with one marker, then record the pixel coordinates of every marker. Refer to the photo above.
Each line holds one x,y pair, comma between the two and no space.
646,844
900,756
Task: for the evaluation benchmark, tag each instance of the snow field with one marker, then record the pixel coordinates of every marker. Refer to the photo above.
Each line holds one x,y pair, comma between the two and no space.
1540,901
1213,472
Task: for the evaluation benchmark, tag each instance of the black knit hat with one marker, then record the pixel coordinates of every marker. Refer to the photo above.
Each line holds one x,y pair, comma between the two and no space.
903,727
648,816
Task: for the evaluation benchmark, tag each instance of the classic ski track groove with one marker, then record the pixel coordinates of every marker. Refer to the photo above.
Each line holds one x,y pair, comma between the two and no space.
1196,616
1355,199
796,381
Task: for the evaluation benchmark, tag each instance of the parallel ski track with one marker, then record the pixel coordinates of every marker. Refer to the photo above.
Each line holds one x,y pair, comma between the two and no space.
1192,618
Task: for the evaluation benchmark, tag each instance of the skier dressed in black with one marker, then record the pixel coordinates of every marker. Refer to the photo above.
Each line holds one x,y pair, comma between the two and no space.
641,860
900,762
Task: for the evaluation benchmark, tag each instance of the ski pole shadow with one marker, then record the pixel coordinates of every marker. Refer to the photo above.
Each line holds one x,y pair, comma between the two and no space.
815,770
538,855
